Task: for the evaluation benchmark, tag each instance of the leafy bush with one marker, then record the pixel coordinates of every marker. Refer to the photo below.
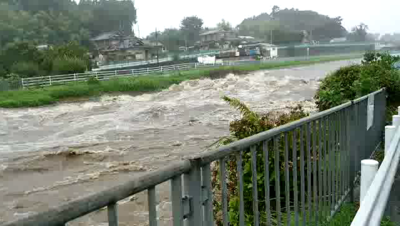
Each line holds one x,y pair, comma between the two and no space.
376,71
250,124
68,65
26,69
93,81
338,87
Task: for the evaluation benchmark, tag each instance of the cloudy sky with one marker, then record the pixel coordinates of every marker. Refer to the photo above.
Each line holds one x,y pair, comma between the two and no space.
381,16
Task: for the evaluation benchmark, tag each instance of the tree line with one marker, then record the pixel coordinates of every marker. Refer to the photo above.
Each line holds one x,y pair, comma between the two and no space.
60,21
65,25
280,26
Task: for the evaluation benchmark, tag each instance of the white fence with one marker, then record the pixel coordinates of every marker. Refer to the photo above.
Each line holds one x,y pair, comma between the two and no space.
378,186
106,75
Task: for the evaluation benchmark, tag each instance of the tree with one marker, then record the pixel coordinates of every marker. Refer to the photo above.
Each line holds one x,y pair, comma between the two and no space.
191,28
358,33
224,25
292,21
170,38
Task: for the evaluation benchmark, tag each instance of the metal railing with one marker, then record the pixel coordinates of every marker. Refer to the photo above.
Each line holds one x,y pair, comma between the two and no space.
317,158
374,202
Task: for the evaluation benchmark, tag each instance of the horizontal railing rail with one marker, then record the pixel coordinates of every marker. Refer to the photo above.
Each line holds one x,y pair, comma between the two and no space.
299,172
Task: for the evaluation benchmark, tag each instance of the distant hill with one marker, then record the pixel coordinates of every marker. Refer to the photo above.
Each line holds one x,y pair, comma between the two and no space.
293,23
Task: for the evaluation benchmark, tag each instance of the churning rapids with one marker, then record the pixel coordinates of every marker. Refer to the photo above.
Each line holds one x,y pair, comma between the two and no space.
51,155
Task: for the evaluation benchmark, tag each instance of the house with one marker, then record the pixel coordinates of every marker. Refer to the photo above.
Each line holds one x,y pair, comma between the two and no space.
113,46
217,39
217,35
265,49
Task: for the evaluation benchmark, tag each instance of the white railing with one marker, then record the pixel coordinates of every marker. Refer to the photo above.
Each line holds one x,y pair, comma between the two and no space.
374,201
106,75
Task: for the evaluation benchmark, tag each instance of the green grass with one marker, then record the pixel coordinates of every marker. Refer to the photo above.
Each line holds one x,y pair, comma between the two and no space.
50,95
343,217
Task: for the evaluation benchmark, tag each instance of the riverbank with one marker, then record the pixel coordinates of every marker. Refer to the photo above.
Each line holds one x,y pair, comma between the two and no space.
50,95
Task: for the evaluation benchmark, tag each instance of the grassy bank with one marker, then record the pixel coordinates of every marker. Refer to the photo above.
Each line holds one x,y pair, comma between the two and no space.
50,95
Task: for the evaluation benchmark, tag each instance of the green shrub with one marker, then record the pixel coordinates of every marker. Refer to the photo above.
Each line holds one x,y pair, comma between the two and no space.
68,65
338,87
376,71
26,69
93,81
250,124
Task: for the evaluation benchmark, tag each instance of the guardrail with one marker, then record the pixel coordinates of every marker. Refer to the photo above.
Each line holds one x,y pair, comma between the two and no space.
317,156
374,202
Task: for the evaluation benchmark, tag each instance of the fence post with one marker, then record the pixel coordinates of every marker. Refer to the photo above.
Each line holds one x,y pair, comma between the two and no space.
97,76
352,149
161,68
50,80
22,83
369,168
133,72
389,133
74,77
195,65
192,184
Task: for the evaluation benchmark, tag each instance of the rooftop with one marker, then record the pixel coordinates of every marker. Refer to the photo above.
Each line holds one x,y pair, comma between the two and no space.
214,32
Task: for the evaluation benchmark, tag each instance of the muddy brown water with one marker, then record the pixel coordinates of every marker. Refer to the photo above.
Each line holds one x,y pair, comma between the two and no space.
51,155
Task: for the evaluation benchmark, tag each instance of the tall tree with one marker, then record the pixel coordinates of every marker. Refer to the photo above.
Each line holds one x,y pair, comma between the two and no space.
224,25
359,33
191,28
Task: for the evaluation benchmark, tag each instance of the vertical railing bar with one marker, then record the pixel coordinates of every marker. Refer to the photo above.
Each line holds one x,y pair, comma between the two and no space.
342,151
277,181
309,168
295,185
266,183
254,180
347,153
192,185
208,205
320,172
334,162
176,197
112,214
287,181
302,179
327,167
241,198
314,133
325,172
225,217
330,163
151,197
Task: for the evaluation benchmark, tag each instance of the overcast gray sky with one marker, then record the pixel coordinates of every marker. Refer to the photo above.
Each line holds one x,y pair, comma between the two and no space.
381,16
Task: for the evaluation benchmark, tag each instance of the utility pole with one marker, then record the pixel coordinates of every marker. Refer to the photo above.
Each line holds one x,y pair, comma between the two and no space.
158,63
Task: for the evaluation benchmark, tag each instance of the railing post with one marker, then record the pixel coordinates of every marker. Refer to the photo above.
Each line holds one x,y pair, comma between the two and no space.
22,83
352,149
369,168
75,77
192,185
50,80
97,76
389,133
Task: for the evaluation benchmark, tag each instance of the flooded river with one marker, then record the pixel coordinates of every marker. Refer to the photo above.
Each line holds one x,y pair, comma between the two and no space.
54,154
